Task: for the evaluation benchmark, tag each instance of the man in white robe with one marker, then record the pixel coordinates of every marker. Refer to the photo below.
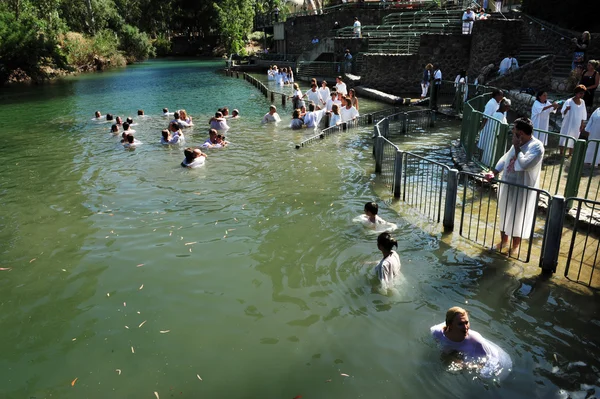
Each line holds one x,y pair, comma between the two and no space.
468,18
520,165
592,155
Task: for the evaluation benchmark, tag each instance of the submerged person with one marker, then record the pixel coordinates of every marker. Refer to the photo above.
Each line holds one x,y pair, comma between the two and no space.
193,158
388,268
171,139
455,337
127,129
372,220
130,141
271,116
166,112
218,122
235,114
297,122
313,116
213,140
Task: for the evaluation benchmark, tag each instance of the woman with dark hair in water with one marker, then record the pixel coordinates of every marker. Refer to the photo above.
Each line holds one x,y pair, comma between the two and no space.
389,267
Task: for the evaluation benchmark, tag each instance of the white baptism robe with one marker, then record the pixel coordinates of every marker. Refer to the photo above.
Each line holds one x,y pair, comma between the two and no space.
517,205
475,348
541,119
593,150
315,97
508,64
341,88
348,114
388,269
271,118
325,93
572,121
487,138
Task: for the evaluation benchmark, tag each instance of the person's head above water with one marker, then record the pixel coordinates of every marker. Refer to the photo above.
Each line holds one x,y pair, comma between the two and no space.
129,120
457,324
165,110
191,154
296,114
140,112
114,128
109,117
371,208
130,138
165,134
235,112
97,114
218,114
311,106
119,120
385,243
272,109
125,126
176,115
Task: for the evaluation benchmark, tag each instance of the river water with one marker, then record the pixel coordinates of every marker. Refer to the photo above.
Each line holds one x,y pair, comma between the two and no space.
130,275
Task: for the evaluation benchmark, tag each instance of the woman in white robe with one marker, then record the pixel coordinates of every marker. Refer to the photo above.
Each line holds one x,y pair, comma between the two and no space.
540,115
592,155
574,114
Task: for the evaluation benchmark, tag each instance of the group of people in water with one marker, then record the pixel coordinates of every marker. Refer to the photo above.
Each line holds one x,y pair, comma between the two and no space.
339,105
173,135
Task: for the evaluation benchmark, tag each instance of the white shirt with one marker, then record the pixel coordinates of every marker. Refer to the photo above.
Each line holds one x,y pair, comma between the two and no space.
314,96
437,75
475,347
468,15
194,164
348,114
388,268
508,64
176,139
325,93
572,119
330,103
334,119
341,88
357,27
271,118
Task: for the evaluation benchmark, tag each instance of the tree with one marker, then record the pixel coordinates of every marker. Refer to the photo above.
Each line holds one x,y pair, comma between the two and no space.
235,21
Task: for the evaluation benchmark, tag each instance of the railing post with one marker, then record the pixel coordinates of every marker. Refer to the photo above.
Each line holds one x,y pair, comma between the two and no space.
378,154
283,98
554,226
575,169
450,205
398,162
433,96
500,144
272,96
369,118
432,116
404,122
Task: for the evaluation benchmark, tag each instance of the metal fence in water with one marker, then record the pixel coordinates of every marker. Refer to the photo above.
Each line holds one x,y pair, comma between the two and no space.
582,258
489,209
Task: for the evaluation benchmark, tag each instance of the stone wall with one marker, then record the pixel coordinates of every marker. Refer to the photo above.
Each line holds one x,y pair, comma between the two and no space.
492,40
536,74
388,73
400,74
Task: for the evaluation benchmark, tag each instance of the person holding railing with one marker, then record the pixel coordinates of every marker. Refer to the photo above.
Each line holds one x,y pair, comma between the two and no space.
425,81
460,95
540,115
467,24
521,165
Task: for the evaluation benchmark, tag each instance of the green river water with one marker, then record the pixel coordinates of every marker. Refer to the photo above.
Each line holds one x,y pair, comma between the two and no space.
130,275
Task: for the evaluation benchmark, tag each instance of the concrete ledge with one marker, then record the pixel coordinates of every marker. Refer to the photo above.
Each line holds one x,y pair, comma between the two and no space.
379,96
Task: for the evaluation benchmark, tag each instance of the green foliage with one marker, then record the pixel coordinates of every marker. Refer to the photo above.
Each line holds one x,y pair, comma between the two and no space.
27,43
162,46
136,45
257,36
235,20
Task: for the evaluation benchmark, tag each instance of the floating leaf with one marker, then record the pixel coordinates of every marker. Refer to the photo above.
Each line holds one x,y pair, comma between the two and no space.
132,350
142,323
73,382
327,380
156,394
108,294
124,304
200,378
164,331
141,286
118,371
32,260
140,265
191,243
344,375
6,269
127,327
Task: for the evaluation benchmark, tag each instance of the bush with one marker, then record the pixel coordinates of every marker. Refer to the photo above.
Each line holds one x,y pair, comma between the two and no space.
78,49
256,36
162,46
135,45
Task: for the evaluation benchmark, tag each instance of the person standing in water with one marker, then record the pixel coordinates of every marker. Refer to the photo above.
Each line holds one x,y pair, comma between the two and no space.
389,267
